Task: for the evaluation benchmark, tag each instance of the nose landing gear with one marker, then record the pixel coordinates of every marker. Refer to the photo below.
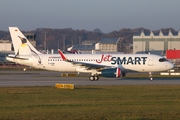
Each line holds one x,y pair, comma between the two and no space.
150,76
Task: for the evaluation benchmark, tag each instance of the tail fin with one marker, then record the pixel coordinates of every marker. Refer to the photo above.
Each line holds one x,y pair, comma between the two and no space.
19,40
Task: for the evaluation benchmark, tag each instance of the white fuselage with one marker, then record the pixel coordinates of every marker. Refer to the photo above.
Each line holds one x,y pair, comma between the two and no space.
127,62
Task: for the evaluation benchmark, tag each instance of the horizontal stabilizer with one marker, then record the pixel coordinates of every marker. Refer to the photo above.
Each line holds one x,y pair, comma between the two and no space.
20,58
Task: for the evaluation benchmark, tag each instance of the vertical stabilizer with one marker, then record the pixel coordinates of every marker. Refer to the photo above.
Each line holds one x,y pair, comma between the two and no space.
19,41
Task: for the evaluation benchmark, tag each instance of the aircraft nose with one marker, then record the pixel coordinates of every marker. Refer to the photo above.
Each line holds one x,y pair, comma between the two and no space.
171,66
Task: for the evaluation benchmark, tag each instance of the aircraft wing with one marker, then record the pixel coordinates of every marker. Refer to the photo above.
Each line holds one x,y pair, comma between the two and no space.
88,66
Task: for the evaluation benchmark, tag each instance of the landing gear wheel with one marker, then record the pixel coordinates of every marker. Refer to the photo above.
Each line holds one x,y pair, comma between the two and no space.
151,79
96,78
150,76
91,78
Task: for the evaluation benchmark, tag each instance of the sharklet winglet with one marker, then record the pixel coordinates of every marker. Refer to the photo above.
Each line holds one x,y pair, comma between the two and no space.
62,55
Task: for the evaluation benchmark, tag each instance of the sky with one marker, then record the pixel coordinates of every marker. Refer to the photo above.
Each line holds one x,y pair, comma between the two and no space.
107,15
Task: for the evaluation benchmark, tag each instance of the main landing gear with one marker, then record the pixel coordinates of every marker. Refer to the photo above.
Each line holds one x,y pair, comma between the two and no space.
150,76
94,78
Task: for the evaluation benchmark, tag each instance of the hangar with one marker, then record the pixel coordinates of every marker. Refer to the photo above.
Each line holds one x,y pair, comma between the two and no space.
105,45
156,42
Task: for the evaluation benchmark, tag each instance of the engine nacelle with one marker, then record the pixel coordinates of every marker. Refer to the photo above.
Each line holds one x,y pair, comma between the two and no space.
111,72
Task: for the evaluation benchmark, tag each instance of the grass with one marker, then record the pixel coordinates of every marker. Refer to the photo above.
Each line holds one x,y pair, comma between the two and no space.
90,103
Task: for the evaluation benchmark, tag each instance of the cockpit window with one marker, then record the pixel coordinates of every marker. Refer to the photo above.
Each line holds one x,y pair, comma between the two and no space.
162,59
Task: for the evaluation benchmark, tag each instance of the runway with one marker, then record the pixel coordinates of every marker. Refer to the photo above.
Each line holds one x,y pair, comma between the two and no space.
49,78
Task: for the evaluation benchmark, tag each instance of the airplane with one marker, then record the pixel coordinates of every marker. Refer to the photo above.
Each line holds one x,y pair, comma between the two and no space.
106,65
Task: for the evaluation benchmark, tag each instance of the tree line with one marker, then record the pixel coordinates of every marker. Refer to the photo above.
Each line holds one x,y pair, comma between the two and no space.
54,37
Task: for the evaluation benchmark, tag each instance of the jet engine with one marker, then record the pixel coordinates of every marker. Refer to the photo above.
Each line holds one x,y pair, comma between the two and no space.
112,72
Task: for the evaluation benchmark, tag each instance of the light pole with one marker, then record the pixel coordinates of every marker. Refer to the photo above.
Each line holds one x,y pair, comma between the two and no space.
45,44
58,44
80,39
64,36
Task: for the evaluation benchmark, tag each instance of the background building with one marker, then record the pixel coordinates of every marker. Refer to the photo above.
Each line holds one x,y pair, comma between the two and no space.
108,45
32,38
82,48
5,49
105,45
159,43
5,45
86,47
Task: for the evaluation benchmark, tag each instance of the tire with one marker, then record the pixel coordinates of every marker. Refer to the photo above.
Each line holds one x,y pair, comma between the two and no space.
91,78
96,78
151,79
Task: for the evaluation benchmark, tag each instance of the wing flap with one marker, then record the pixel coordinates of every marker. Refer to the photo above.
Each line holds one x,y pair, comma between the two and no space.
89,66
